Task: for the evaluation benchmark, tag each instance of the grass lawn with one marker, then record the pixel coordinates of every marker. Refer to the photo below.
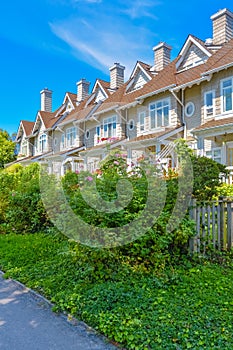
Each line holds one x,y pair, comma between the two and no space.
189,307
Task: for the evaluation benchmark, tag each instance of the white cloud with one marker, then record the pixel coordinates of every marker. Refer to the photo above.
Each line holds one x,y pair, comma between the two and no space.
109,35
140,8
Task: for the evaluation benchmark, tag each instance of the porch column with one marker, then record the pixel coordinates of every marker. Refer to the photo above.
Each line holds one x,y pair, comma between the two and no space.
129,157
224,153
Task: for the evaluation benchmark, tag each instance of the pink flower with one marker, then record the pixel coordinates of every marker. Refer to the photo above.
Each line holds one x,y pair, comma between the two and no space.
89,178
116,162
77,171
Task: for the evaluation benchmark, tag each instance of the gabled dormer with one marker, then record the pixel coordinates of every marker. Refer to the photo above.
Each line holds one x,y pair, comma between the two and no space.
140,76
193,53
69,101
101,90
24,130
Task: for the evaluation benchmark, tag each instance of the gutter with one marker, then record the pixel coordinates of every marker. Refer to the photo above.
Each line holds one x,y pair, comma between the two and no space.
212,127
229,65
155,92
190,83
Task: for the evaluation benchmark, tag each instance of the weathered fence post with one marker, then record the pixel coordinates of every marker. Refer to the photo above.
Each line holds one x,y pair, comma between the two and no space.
222,222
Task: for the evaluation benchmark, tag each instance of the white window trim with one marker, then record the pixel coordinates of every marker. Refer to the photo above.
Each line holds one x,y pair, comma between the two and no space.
106,121
206,116
131,122
189,115
43,140
212,153
139,121
71,130
221,91
87,134
169,113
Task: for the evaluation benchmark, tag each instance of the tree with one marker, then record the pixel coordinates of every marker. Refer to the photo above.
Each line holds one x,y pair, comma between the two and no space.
7,148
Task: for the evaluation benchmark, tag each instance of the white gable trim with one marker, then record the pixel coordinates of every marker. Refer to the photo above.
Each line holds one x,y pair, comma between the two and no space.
138,65
98,84
68,97
185,49
35,125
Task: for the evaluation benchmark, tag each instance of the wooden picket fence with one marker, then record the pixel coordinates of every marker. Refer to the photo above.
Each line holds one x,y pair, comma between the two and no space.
214,225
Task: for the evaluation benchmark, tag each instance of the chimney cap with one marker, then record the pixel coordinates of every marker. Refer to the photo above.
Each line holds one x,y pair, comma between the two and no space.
222,12
160,45
117,64
45,90
83,80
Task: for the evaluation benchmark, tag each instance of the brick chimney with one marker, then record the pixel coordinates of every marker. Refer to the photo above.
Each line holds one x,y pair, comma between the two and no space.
162,56
222,26
46,100
116,76
82,89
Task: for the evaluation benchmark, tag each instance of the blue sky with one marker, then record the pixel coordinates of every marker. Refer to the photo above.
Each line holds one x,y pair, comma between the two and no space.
55,43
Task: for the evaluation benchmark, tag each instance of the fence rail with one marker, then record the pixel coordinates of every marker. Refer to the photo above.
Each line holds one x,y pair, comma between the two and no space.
214,225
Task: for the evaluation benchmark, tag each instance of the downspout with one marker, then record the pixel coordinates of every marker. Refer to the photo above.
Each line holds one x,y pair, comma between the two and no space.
181,102
183,120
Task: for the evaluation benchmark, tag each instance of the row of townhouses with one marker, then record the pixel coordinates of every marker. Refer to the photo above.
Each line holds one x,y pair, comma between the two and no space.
190,97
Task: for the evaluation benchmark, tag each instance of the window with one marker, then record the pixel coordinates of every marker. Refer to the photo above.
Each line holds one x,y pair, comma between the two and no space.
62,141
159,114
215,154
131,124
142,116
70,136
189,109
209,103
109,127
87,134
42,143
227,92
24,148
97,132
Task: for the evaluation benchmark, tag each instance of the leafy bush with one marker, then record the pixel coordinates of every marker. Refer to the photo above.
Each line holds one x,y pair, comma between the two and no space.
21,208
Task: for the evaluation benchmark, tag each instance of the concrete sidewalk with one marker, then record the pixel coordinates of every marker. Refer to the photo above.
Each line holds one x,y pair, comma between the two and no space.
28,323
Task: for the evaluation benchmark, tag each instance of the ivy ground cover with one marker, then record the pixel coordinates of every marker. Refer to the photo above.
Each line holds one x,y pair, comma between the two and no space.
187,306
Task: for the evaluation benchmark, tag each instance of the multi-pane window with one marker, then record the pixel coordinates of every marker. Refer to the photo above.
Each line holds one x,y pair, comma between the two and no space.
70,136
227,94
142,116
209,103
159,113
215,154
109,126
24,148
62,141
42,143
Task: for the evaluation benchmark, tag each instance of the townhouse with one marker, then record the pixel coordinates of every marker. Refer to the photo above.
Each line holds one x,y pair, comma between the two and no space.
190,97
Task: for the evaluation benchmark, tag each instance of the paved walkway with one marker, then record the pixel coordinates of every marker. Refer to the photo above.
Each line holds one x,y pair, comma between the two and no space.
27,323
